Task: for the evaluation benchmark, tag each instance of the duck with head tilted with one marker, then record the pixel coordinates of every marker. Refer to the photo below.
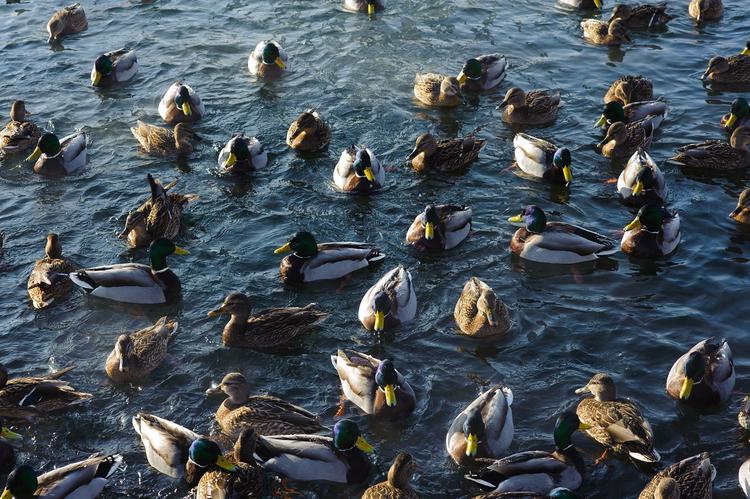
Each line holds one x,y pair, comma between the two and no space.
136,355
630,88
358,170
114,67
742,212
166,443
437,90
738,115
610,33
482,73
654,232
242,155
440,227
55,157
34,396
479,312
397,485
66,21
536,107
704,376
622,141
691,478
718,155
389,302
19,134
542,159
641,16
431,155
369,6
308,133
181,104
268,60
49,280
641,181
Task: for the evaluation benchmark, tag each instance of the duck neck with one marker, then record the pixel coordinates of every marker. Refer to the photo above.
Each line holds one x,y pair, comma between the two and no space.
237,323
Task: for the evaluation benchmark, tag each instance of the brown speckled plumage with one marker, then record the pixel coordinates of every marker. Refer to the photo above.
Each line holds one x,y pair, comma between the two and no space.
397,485
140,353
33,396
66,21
718,154
49,280
479,312
694,476
444,156
629,88
308,133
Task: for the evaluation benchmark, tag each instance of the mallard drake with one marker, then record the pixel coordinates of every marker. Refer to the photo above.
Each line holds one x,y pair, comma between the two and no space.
614,111
483,73
358,170
556,242
738,115
373,385
56,157
446,155
694,478
205,456
159,216
704,376
398,485
582,4
136,355
705,10
242,155
114,67
536,107
718,155
66,21
629,88
538,471
308,133
245,482
82,480
437,90
732,69
641,181
19,134
743,416
340,458
181,104
641,16
135,282
267,415
479,312
369,6
389,302
614,422
269,328
742,212
33,396
317,262
162,141
612,32
440,227
48,281
542,159
7,453
654,232
623,140
166,443
484,429
268,60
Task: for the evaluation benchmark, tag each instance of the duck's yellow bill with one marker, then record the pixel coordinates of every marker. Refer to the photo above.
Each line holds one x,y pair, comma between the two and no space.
96,78
567,174
186,109
686,389
598,4
583,426
516,219
638,188
232,159
368,173
731,120
283,249
370,9
225,464
462,77
34,155
280,63
472,444
429,231
379,321
390,395
363,445
6,494
745,51
9,435
180,251
635,224
600,122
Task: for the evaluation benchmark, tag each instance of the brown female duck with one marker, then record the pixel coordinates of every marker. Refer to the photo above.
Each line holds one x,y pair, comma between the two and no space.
49,281
612,32
19,134
398,485
479,312
718,155
444,156
136,355
66,21
437,90
308,133
742,212
629,88
641,16
622,140
732,69
694,478
536,107
33,396
163,142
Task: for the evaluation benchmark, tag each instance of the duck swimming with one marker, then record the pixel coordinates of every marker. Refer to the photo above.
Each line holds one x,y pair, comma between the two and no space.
181,104
66,21
369,6
644,16
440,227
390,302
29,397
431,155
397,485
19,134
358,170
739,115
612,32
692,478
242,155
536,107
742,212
268,60
48,281
653,233
704,376
437,90
136,355
54,157
641,181
162,141
114,67
479,312
718,155
705,10
482,73
542,159
308,133
630,88
733,69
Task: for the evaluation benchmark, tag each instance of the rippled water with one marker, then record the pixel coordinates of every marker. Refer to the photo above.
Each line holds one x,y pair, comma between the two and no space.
628,317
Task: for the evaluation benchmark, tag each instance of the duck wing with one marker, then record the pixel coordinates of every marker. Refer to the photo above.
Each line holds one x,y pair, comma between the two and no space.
81,480
493,70
559,236
166,443
73,151
357,374
131,282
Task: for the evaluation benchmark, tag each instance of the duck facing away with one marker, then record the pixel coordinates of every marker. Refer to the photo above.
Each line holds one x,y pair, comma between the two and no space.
483,73
742,212
358,170
181,104
440,227
622,140
19,134
704,376
244,482
55,157
308,133
162,141
630,88
390,302
653,233
732,69
34,396
369,6
114,67
242,155
397,485
437,90
66,21
136,355
705,10
739,115
268,60
542,159
166,443
431,155
479,312
49,280
693,476
484,429
641,182
267,329
612,32
718,155
536,107
642,16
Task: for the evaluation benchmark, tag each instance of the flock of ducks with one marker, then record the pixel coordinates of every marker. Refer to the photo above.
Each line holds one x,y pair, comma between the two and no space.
270,436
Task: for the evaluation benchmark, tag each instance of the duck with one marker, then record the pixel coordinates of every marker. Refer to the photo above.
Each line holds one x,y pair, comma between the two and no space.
397,485
622,141
431,155
162,141
266,329
642,16
135,282
542,159
744,477
738,115
536,107
557,493
204,456
113,67
743,416
66,21
693,476
7,452
479,312
705,10
437,90
582,4
49,281
616,423
374,385
742,212
246,481
538,472
308,133
84,479
311,261
733,69
610,33
389,302
341,458
556,242
136,355
33,396
653,233
242,155
268,60
614,111
630,88
482,73
369,6
718,155
166,443
19,134
181,104
159,216
267,415
484,429
704,376
440,227
358,170
55,157
641,181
